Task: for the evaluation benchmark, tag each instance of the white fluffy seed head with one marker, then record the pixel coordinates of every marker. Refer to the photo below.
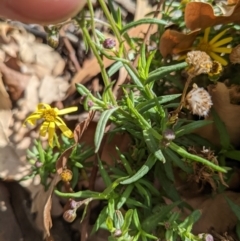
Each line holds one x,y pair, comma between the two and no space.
198,101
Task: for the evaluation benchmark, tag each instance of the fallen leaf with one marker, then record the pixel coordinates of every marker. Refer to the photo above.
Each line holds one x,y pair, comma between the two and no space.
81,127
201,15
41,205
174,42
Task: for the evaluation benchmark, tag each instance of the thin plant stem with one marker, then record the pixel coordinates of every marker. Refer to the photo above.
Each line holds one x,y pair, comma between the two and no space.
100,62
90,7
182,101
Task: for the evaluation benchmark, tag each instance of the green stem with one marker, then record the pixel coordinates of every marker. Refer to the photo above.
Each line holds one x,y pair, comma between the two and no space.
90,7
56,141
115,31
100,62
190,156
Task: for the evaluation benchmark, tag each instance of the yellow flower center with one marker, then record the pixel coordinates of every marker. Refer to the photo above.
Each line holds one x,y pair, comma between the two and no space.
49,115
203,46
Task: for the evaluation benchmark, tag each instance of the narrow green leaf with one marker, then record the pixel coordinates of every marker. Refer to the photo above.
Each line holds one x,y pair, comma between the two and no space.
133,76
104,173
144,193
111,207
124,196
235,155
192,157
153,145
222,130
101,127
234,207
109,224
134,203
81,194
142,171
101,219
152,221
136,220
118,219
163,71
143,21
114,68
171,155
186,129
149,104
110,188
127,221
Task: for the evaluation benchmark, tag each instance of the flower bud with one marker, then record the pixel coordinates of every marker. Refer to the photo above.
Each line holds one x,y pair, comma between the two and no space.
69,215
38,164
109,43
117,233
206,237
73,204
169,135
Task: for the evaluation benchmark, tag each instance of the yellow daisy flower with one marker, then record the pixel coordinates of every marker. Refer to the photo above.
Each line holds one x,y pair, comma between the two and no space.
213,46
51,119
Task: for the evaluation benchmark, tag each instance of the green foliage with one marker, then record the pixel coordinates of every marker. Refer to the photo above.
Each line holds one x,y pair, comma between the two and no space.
134,205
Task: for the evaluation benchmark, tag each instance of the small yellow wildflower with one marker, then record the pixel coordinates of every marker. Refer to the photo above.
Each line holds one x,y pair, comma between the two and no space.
213,46
51,119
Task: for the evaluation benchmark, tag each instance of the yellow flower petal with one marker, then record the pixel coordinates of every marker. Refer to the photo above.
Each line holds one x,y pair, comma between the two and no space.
217,37
65,130
222,50
218,58
66,110
44,128
222,42
43,106
51,131
206,35
33,118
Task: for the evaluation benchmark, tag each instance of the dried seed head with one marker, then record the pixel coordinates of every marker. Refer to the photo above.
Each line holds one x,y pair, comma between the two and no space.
235,55
198,101
199,63
66,175
109,43
69,215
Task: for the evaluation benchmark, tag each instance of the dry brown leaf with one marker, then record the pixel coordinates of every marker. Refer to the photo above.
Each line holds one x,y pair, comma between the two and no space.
174,42
61,162
201,15
42,206
81,127
229,114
